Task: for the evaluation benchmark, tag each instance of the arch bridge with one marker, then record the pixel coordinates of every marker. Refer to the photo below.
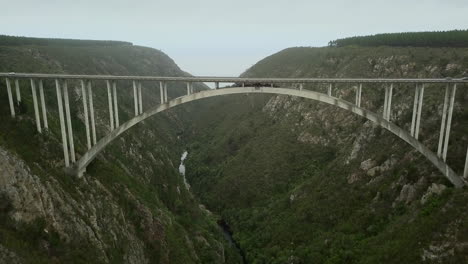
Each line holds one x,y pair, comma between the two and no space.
281,86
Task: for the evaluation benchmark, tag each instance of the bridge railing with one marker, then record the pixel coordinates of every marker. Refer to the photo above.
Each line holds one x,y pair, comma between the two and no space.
86,83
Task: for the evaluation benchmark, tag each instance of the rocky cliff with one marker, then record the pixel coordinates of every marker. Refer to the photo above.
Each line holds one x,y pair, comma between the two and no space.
131,206
302,182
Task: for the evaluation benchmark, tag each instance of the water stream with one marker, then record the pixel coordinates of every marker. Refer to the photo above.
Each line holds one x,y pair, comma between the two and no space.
221,223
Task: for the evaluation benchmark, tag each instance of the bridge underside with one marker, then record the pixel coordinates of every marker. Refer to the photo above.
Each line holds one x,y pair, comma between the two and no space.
80,166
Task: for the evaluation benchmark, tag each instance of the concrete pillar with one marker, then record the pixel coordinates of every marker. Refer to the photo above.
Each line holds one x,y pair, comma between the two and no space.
216,85
18,92
389,102
358,95
301,86
43,105
109,100
62,122
418,118
116,107
415,108
191,88
449,122
243,85
85,112
465,172
165,92
10,98
272,85
385,107
36,108
188,88
161,89
69,123
135,98
140,100
442,125
329,92
91,112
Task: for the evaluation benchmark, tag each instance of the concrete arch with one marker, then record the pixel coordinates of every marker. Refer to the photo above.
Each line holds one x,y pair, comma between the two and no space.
80,166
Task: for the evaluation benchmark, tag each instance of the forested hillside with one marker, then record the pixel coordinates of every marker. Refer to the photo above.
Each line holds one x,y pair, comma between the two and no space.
453,38
302,182
131,206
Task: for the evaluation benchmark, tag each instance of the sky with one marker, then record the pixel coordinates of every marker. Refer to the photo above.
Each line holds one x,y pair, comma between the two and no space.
224,38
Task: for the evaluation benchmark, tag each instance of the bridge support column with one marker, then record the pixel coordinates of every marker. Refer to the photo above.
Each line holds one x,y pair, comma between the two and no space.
301,86
85,112
443,124
418,119
329,92
161,90
191,88
62,122
188,88
140,99
465,172
165,92
109,100
91,112
417,108
358,95
36,108
10,98
388,102
449,122
135,98
43,105
216,85
116,107
18,92
69,123
243,85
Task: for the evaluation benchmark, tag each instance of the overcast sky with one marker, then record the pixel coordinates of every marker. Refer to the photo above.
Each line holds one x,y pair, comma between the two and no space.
224,38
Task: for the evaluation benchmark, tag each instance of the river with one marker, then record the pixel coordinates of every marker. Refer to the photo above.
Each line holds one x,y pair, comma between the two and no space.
221,223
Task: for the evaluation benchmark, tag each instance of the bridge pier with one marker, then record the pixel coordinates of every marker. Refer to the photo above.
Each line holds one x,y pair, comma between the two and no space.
135,98
91,112
18,92
140,99
161,89
329,92
10,98
43,105
109,100
417,108
449,123
465,172
62,123
116,108
216,85
191,88
85,112
36,108
358,95
301,86
69,123
388,102
165,92
188,88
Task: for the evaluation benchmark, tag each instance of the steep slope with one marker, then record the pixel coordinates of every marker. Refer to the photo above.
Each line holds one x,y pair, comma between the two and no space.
302,182
131,206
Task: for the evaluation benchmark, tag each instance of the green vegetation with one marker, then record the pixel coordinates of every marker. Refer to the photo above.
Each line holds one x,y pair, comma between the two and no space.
135,191
28,41
453,38
287,196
